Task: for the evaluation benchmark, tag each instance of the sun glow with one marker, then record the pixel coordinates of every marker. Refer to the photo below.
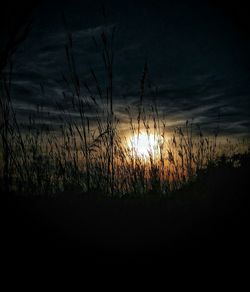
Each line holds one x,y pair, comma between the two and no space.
144,145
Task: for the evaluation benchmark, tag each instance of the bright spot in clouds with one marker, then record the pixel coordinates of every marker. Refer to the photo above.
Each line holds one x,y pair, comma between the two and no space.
144,144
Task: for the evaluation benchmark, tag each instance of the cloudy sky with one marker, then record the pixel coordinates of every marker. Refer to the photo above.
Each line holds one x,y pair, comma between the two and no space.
197,54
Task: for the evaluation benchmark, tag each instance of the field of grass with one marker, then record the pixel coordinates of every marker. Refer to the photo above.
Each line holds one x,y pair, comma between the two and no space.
89,185
207,220
87,149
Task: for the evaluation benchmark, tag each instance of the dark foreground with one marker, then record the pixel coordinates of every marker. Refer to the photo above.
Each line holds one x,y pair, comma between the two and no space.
206,219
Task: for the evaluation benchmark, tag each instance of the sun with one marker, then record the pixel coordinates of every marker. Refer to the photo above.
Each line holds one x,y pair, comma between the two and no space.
144,145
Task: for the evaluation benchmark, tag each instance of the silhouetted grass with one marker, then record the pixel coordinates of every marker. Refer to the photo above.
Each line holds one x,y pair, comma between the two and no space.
187,194
94,157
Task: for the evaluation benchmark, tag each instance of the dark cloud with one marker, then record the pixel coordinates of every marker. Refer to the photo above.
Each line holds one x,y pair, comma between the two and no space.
197,57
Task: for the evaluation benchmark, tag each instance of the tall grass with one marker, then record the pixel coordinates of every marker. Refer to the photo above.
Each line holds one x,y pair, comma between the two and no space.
95,157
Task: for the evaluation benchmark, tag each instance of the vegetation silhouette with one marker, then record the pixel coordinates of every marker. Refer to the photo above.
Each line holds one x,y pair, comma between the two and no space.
82,186
89,155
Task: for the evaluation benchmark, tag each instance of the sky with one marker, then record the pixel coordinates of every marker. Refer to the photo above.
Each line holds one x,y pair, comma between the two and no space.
197,54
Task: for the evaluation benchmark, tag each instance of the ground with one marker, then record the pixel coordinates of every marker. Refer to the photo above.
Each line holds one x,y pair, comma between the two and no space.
207,218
